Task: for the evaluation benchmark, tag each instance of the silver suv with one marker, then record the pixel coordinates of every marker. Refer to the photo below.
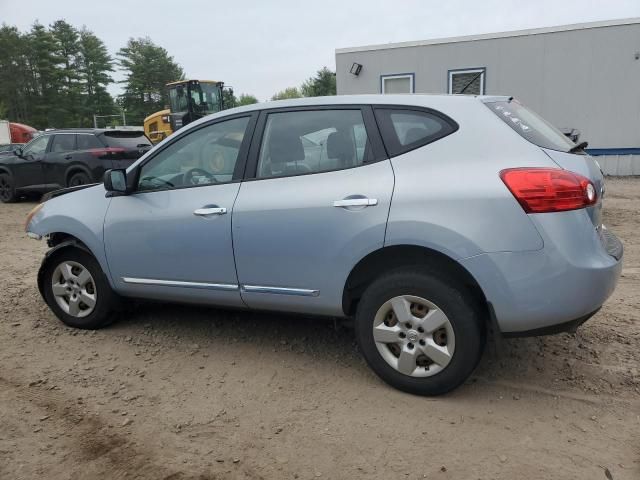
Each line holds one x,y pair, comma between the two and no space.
431,220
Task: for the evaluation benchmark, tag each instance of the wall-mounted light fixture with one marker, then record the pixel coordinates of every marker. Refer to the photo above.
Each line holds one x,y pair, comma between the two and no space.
355,69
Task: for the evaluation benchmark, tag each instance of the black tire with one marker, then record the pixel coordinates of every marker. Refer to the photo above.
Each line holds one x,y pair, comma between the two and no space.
78,179
456,303
107,301
7,190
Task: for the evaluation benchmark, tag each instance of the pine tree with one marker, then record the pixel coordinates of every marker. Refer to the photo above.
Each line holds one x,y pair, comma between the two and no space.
14,74
148,68
46,73
68,51
94,67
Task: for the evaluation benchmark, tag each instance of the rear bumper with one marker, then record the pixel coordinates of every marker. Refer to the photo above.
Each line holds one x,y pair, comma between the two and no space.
557,287
571,326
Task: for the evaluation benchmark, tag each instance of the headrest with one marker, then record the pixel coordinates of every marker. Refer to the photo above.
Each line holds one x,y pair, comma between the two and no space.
285,146
340,145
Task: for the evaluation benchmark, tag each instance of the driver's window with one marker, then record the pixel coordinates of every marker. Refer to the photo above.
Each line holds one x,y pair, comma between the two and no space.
37,147
204,157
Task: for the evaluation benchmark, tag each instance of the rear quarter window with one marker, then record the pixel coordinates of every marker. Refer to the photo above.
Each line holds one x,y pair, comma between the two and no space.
530,126
126,139
88,142
404,130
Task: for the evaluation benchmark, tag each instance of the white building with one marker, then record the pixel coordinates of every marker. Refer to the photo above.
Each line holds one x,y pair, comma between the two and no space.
583,76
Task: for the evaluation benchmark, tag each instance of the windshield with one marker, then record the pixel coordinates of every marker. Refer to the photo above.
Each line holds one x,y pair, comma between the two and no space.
178,98
206,96
530,125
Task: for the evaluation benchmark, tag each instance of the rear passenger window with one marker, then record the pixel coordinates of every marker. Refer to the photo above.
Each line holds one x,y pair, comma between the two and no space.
63,143
88,142
312,141
405,130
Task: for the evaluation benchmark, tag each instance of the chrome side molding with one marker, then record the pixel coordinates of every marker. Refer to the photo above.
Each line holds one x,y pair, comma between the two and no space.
300,292
178,283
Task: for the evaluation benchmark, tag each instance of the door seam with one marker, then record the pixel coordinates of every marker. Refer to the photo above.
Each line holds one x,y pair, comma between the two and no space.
233,246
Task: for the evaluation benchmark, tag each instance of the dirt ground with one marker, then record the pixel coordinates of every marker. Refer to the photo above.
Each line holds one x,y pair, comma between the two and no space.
174,392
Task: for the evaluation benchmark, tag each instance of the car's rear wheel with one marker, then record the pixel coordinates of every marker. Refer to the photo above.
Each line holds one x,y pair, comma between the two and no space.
78,179
7,190
418,332
77,290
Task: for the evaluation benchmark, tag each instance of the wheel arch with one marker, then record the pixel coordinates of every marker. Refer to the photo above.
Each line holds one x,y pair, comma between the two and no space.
59,241
77,168
395,257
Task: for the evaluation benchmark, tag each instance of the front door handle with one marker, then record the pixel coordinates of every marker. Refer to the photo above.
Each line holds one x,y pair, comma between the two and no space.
203,212
68,157
356,202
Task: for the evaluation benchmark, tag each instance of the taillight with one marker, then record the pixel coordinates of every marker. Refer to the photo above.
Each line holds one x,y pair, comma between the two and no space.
107,152
541,190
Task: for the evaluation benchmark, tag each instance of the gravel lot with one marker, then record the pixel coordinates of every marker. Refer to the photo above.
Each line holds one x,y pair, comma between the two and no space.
175,392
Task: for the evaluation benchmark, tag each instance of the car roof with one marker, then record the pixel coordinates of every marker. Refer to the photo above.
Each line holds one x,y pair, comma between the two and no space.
435,101
92,130
413,99
417,99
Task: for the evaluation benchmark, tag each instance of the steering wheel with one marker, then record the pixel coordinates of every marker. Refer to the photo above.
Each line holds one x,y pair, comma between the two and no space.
188,177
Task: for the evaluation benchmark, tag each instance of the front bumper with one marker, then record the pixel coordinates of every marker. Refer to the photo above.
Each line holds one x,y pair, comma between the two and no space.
557,287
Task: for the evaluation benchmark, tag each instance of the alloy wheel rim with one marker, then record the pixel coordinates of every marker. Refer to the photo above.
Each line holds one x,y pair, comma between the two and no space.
74,289
414,336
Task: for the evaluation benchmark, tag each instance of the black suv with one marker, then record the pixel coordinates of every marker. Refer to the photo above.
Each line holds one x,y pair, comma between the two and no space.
67,158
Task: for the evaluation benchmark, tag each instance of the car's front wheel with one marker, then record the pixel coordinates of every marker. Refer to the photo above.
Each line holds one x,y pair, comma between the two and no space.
418,332
77,291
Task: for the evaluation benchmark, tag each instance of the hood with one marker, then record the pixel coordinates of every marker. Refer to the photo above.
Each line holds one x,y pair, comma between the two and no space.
64,191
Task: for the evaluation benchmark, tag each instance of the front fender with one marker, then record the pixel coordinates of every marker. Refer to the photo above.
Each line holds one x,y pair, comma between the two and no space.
80,215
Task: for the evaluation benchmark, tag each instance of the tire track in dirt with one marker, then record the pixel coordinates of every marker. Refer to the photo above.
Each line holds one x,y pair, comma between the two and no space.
105,453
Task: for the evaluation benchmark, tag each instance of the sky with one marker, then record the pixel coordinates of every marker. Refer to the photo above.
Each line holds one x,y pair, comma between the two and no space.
261,47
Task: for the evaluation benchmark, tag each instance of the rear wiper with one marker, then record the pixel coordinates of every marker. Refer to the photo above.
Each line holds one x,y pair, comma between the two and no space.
579,147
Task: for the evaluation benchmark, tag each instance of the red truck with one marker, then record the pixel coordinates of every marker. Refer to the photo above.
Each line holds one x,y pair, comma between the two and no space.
15,133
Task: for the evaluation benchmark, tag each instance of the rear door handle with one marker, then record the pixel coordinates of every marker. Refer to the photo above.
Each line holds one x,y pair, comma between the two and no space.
203,212
68,157
356,202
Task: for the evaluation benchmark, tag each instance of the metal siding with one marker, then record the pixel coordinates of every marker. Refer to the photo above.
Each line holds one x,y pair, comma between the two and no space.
586,79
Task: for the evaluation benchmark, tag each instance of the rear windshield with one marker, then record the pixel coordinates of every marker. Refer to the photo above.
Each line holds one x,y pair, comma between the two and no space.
126,139
530,125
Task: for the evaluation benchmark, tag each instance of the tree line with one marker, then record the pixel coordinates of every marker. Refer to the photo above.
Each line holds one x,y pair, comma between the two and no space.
55,76
324,83
58,77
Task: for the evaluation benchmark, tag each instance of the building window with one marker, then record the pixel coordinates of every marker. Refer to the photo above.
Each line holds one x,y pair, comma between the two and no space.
468,81
397,83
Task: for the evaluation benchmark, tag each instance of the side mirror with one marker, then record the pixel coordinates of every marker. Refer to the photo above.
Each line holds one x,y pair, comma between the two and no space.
18,152
115,181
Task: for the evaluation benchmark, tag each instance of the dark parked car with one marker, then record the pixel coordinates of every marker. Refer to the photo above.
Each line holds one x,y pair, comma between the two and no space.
67,158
